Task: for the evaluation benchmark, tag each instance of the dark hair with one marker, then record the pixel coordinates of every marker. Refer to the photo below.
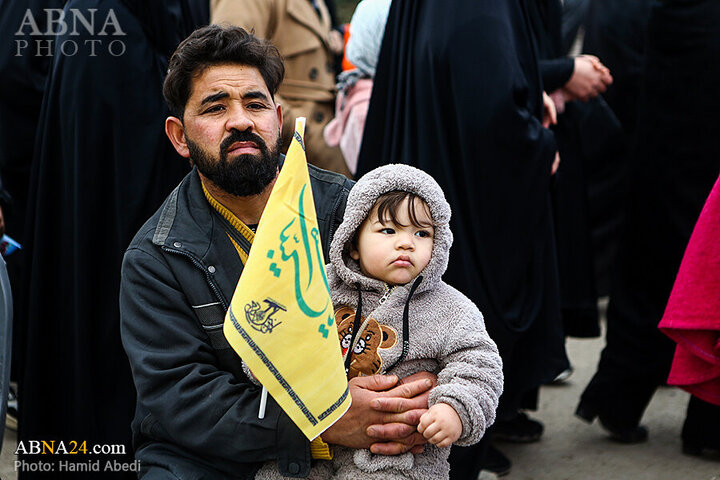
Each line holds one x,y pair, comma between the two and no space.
388,204
218,45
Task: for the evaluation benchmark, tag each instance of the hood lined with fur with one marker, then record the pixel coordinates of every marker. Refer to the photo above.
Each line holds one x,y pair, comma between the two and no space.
360,203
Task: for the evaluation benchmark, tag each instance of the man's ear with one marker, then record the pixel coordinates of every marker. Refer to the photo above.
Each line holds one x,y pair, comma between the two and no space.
175,130
280,117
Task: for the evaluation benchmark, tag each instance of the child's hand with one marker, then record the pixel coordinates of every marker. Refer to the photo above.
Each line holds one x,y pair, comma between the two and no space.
441,425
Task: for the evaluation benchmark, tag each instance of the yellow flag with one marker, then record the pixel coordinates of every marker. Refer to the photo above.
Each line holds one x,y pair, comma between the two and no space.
281,319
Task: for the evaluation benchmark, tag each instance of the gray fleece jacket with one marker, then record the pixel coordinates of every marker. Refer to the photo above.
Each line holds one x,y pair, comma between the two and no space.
445,334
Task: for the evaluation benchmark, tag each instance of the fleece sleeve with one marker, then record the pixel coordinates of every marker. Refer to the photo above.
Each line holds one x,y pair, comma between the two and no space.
471,378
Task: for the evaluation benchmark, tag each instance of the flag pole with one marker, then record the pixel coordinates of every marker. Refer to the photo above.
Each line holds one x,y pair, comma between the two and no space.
263,403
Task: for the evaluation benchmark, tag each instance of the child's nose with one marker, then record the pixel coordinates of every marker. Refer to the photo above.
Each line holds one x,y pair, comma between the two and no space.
406,241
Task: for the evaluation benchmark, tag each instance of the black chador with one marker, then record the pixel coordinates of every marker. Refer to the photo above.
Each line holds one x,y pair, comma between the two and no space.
615,32
102,165
458,94
675,165
580,138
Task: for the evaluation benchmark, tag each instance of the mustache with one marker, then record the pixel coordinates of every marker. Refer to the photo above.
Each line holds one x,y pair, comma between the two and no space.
238,136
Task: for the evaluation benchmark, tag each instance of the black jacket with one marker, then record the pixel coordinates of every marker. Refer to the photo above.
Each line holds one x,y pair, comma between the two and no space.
194,401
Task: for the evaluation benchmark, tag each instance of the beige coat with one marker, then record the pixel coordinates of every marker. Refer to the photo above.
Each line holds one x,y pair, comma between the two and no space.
301,36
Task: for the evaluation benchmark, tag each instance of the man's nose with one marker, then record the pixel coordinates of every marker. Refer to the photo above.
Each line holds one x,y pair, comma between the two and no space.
238,119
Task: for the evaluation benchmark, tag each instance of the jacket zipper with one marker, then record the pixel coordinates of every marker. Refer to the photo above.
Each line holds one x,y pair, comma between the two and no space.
208,277
388,291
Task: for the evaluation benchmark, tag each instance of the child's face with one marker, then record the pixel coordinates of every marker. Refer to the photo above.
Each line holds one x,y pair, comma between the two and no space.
394,253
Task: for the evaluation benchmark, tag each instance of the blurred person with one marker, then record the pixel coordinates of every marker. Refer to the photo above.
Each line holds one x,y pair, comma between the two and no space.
672,171
302,31
692,320
616,32
4,198
101,165
355,86
574,85
574,14
23,76
458,94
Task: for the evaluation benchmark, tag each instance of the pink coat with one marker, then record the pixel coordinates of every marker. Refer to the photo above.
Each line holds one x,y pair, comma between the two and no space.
346,129
692,316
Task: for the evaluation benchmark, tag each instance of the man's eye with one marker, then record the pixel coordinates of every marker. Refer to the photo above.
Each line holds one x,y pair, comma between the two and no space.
214,108
256,106
387,231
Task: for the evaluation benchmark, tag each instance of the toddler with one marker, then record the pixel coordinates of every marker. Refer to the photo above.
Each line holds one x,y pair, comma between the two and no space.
395,315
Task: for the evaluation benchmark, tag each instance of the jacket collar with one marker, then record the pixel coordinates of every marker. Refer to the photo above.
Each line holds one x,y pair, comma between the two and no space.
188,226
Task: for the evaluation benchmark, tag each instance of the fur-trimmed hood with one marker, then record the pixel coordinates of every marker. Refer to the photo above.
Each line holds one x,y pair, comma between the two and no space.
360,202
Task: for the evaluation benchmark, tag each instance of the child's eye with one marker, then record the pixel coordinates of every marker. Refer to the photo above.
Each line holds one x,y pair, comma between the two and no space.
387,231
423,234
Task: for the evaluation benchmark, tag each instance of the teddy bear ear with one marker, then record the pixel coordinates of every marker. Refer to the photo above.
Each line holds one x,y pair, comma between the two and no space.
389,337
343,313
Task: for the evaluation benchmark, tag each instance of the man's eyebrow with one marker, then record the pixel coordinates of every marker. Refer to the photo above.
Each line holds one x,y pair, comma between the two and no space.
214,97
255,94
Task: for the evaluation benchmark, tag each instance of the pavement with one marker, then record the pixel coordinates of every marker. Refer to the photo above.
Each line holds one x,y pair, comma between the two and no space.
571,449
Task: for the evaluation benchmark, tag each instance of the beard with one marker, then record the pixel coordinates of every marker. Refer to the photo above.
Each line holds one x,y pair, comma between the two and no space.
245,175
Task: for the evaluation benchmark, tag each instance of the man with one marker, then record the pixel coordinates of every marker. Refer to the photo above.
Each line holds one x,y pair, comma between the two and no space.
301,30
197,411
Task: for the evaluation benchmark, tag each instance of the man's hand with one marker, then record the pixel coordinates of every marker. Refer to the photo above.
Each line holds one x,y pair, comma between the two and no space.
402,411
383,411
589,79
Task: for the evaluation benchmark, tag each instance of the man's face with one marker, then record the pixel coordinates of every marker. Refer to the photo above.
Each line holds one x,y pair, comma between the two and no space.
232,129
